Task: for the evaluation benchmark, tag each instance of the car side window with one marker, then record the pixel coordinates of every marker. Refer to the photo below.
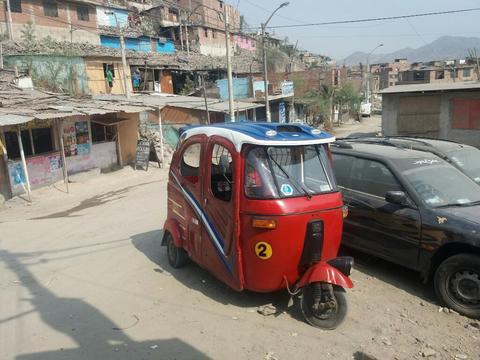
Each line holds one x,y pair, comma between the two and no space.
190,163
372,177
221,173
342,165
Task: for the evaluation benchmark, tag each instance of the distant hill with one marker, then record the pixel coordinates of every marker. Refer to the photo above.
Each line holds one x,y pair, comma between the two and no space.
444,48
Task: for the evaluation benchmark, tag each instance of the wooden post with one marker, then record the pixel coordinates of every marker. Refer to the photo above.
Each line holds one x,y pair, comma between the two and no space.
24,163
119,146
205,98
62,152
5,157
162,155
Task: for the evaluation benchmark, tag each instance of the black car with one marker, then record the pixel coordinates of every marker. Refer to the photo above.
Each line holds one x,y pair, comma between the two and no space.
465,157
415,209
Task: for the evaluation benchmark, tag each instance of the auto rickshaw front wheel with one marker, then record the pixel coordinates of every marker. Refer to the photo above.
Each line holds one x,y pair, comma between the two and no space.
177,256
324,305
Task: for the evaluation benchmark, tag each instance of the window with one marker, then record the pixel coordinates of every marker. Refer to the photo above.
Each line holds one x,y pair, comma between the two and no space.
15,6
221,173
42,142
50,8
205,32
341,167
467,72
373,178
418,76
439,75
82,13
190,163
214,34
221,4
102,133
111,67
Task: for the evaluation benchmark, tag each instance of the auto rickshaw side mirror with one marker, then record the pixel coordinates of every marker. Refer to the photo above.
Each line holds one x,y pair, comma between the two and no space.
396,197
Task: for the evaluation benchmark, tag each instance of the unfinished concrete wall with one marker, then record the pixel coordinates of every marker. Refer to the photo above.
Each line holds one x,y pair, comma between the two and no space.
105,155
427,114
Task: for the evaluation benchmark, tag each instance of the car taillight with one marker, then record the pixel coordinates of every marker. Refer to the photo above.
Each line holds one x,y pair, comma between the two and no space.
344,211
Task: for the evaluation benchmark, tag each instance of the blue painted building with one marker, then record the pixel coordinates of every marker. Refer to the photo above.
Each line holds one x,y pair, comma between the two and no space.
141,44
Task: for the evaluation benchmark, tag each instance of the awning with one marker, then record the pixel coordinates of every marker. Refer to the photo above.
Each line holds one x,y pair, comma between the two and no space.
12,119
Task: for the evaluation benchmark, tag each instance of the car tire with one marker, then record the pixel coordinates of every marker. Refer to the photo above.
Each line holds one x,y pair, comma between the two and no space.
177,256
457,284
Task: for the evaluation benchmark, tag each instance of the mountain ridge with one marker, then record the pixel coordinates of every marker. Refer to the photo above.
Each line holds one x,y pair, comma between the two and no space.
443,48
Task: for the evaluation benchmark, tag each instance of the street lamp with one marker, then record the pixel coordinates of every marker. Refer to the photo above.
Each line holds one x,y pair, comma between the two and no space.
265,80
367,77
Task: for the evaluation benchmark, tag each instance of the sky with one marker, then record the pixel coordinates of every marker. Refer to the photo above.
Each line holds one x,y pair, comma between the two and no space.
339,41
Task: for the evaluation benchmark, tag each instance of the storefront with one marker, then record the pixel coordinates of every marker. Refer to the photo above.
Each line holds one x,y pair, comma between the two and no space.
31,147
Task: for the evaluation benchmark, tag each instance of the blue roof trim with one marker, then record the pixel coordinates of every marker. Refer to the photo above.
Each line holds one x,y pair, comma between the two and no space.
259,131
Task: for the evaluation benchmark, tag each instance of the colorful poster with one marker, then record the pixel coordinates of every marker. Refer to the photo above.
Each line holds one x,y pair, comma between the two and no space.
70,140
17,176
282,113
81,130
83,149
55,162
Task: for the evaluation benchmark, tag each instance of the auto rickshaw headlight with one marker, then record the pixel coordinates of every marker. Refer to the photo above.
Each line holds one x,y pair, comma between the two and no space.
344,211
262,223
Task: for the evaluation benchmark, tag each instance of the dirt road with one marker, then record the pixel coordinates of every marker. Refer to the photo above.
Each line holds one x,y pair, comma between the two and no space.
83,276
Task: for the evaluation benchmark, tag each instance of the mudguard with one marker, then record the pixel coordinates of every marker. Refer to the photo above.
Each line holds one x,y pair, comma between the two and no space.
323,272
171,226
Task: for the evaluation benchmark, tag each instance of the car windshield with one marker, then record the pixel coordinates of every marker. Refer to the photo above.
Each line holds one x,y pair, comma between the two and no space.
468,160
438,183
280,172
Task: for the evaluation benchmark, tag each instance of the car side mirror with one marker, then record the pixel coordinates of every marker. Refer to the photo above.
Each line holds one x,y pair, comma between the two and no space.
396,197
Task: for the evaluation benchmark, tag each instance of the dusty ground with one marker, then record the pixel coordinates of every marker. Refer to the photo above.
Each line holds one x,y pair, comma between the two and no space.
83,276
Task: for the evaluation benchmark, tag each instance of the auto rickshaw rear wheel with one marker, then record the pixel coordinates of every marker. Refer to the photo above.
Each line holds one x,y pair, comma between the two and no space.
324,305
177,256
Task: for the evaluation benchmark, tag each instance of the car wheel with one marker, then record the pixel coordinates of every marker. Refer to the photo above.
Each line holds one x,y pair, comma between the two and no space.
327,315
177,256
457,284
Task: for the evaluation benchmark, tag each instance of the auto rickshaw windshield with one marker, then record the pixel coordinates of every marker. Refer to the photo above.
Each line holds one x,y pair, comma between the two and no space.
288,171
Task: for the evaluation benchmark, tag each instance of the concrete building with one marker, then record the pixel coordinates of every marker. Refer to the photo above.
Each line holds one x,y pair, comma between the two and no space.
439,110
92,22
61,20
385,75
206,25
438,72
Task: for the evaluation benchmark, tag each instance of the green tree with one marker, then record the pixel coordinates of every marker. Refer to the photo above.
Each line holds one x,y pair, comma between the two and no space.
28,37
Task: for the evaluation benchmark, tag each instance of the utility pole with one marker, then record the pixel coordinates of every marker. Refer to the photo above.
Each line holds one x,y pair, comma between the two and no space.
124,58
181,30
231,105
126,68
9,20
265,81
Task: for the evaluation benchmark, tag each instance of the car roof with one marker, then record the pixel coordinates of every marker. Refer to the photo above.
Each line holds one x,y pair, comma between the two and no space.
379,150
269,134
444,146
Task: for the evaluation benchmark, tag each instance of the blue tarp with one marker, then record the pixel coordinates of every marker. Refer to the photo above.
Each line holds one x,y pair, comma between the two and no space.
241,88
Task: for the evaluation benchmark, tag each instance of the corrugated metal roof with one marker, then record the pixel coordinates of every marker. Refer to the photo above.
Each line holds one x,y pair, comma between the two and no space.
187,102
11,119
454,86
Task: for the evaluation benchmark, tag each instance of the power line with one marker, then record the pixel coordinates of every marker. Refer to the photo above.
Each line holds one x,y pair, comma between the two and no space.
377,19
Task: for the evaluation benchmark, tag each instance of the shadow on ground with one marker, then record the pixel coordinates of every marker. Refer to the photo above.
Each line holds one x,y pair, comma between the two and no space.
393,274
95,335
94,201
196,278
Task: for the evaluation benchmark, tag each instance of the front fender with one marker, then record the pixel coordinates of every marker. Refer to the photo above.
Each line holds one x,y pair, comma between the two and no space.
171,226
323,272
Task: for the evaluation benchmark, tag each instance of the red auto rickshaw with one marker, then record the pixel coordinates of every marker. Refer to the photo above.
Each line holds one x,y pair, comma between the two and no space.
256,204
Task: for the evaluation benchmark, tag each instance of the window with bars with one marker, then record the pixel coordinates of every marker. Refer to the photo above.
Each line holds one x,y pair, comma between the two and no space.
15,6
82,13
50,9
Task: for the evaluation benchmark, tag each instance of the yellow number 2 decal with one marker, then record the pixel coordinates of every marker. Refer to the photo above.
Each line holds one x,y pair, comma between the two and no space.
263,250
